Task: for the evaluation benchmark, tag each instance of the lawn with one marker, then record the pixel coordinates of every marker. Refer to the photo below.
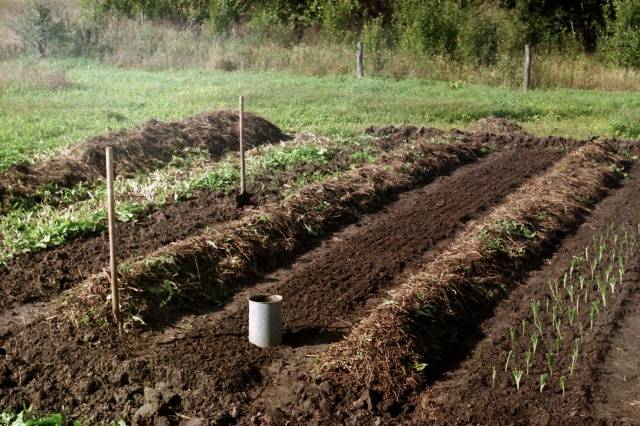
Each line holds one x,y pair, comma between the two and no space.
35,121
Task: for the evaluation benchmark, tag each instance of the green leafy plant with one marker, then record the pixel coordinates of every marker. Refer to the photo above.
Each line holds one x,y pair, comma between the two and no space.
550,362
543,381
563,384
517,376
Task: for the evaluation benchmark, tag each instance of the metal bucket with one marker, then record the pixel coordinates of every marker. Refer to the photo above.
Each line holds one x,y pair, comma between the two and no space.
265,320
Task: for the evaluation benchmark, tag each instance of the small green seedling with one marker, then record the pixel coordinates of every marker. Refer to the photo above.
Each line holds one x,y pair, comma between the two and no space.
523,326
517,376
543,381
563,384
513,335
571,313
494,374
527,360
570,292
550,362
574,356
581,280
506,364
602,289
534,342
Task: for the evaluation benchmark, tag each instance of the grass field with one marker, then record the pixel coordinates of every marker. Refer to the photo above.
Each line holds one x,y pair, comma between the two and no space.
36,119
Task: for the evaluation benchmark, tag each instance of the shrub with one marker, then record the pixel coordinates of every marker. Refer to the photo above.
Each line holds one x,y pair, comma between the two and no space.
42,27
428,26
621,44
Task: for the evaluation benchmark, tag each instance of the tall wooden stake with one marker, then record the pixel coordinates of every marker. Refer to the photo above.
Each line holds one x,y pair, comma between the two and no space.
526,72
241,136
359,60
113,260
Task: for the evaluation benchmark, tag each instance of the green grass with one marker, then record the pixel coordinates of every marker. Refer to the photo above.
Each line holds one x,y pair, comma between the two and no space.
101,98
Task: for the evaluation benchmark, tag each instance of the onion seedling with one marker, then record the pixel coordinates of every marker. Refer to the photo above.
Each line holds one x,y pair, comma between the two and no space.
586,254
565,278
571,313
612,284
513,336
517,376
550,362
594,265
570,292
594,313
523,324
575,355
506,364
494,373
543,381
527,361
581,329
602,289
620,270
534,342
558,326
558,340
581,280
563,384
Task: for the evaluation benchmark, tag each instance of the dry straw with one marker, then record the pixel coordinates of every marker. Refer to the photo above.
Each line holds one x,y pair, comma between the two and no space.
215,263
421,321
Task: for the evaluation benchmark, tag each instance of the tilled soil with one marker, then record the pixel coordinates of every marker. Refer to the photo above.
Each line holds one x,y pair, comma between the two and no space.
204,366
597,392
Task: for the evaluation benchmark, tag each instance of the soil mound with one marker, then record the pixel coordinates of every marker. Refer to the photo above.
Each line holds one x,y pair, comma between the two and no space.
142,148
495,125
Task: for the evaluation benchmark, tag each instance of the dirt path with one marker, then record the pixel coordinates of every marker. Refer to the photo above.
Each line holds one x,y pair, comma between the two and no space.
206,358
599,392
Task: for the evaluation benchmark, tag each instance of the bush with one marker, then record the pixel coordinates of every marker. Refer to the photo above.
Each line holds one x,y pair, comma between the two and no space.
374,40
427,26
42,27
621,44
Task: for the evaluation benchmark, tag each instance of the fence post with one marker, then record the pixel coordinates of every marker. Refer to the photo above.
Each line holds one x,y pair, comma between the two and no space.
241,137
526,74
359,60
113,260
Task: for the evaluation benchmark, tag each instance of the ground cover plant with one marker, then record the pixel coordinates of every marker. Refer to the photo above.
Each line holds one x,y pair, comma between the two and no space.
412,330
211,265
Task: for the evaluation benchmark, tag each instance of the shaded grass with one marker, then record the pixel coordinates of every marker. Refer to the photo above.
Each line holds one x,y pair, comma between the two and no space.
34,122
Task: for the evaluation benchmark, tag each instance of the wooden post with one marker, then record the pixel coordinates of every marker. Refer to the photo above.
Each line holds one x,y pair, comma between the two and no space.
359,60
113,260
241,137
526,74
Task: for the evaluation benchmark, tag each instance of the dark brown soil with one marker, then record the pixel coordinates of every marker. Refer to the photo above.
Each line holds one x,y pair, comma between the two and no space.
205,358
142,148
595,392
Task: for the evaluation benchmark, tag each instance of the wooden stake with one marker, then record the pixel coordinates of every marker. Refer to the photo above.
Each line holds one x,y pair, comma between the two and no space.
113,261
526,72
241,136
359,60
